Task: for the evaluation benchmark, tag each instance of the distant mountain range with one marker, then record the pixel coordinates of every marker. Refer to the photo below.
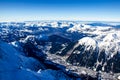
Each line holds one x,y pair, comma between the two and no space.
95,46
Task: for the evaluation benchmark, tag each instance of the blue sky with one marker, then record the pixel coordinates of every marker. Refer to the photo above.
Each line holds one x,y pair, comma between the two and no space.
86,10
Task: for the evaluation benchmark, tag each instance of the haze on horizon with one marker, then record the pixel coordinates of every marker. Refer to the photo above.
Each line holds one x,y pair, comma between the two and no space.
85,10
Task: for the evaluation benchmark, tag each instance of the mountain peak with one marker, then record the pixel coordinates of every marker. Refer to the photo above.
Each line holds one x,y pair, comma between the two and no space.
88,41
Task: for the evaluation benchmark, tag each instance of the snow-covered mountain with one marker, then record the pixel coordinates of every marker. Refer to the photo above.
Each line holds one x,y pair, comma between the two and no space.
14,65
92,45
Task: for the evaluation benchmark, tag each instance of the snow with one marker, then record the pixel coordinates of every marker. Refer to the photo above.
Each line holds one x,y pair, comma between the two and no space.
54,24
111,37
52,75
118,77
103,37
107,37
14,66
30,36
65,24
14,43
110,43
25,30
83,72
87,41
76,27
12,62
18,75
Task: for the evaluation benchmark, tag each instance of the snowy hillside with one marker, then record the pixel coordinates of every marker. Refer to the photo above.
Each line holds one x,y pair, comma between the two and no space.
15,66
